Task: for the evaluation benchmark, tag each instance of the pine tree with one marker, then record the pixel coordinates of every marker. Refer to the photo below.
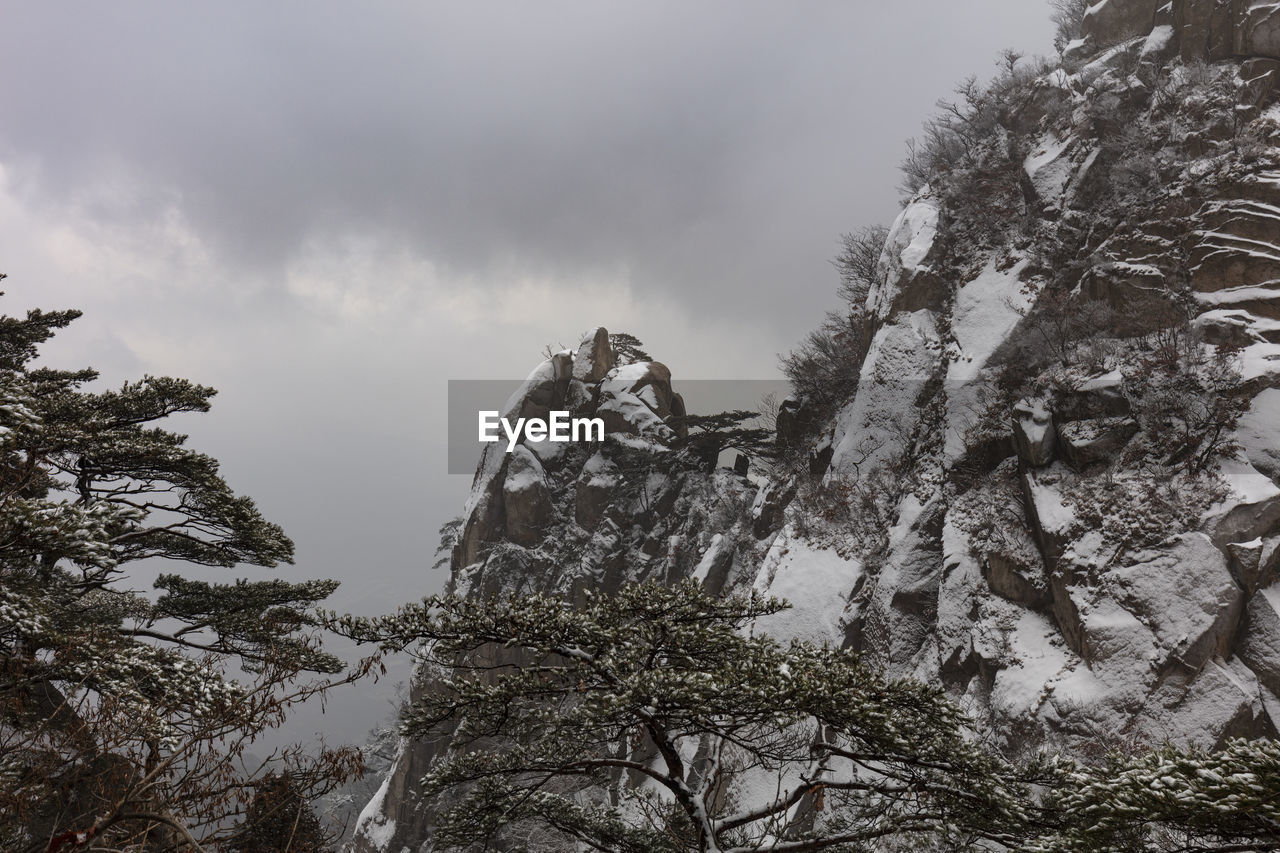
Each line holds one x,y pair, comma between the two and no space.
124,719
707,436
656,720
627,348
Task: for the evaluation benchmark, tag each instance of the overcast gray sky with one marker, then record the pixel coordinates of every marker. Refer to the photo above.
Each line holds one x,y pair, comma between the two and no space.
327,210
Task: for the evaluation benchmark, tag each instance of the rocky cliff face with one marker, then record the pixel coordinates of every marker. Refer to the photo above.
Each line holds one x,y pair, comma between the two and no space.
1050,556
1202,29
563,519
1055,488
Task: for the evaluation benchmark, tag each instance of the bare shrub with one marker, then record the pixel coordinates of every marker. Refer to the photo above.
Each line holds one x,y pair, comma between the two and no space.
1067,17
859,262
824,368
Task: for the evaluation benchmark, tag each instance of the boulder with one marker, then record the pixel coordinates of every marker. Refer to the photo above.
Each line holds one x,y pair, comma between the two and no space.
648,380
1257,32
1254,564
1185,593
1048,515
1089,442
626,414
1205,29
1034,436
1226,328
593,491
1048,170
1100,396
526,498
1011,579
909,281
545,389
1258,435
1251,509
1113,21
1219,703
1261,77
820,458
1067,594
770,507
1161,46
1260,640
1114,637
903,604
594,358
716,564
637,399
1175,608
794,421
678,413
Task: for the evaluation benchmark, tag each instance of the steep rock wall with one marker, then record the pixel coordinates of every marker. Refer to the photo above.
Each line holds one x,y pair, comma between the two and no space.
1205,29
566,518
1064,591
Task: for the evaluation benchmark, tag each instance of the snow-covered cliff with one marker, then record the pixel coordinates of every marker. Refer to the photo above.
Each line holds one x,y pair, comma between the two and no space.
1055,487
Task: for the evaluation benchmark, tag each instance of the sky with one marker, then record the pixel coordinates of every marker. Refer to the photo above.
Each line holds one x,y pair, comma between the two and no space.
328,210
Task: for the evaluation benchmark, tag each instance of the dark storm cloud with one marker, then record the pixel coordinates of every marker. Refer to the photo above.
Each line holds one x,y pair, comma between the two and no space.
715,150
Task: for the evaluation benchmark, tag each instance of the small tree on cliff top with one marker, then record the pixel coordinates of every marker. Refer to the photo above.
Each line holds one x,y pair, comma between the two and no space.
654,720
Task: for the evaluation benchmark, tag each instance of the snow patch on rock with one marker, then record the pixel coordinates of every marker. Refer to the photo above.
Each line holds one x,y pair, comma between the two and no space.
986,311
1050,168
911,240
874,427
1258,435
374,827
816,581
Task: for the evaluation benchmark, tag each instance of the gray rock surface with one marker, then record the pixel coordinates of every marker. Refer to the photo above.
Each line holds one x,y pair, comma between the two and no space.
526,499
1110,21
1034,435
1089,442
1260,643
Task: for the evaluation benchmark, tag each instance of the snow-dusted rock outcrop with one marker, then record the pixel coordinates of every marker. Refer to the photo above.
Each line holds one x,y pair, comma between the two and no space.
564,518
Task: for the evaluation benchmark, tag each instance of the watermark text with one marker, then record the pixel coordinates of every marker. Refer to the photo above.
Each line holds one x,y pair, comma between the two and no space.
558,427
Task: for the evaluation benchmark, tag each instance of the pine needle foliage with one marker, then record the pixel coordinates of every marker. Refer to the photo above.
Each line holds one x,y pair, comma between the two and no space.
1170,799
655,719
124,718
627,348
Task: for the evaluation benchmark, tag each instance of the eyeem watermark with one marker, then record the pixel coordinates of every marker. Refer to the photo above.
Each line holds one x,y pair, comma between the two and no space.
557,426
473,402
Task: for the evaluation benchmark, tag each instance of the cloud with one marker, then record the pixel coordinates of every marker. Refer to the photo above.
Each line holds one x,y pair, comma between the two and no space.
715,150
